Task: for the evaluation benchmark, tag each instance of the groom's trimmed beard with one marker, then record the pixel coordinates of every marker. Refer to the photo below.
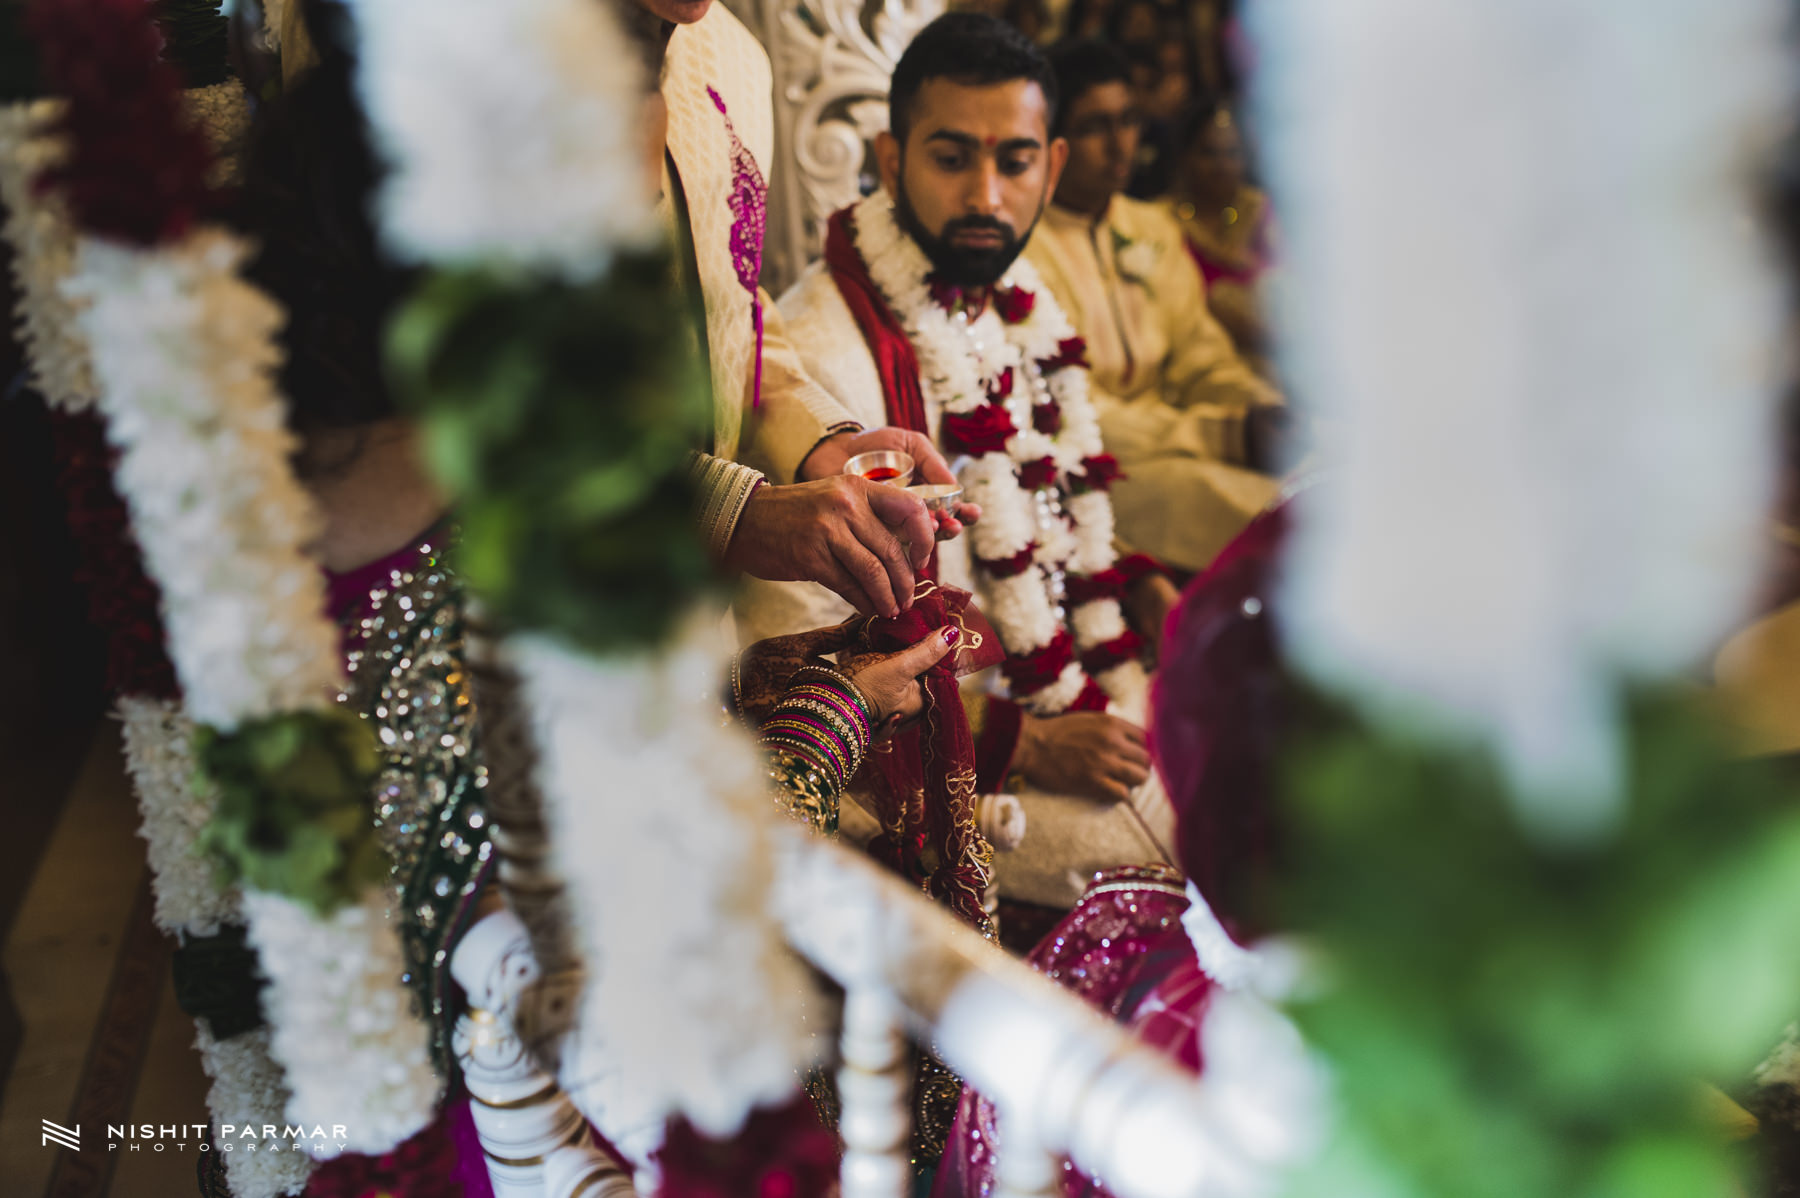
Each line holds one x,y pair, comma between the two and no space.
964,266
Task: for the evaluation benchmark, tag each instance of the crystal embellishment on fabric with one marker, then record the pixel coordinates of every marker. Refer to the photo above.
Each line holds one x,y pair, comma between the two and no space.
406,676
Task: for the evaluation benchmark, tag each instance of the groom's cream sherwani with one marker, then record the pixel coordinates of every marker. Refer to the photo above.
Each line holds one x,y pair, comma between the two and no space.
1066,838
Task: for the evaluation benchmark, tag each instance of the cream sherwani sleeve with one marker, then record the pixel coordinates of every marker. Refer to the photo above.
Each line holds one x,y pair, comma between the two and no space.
1208,384
795,412
716,84
1171,391
820,337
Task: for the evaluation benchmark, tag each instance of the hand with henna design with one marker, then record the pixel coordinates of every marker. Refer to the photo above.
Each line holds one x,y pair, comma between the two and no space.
889,681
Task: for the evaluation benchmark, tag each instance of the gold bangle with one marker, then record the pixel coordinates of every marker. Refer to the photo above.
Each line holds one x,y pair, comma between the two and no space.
807,736
837,720
841,707
838,678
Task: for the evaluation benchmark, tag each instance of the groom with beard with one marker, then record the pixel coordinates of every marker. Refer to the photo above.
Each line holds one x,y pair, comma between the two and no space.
922,285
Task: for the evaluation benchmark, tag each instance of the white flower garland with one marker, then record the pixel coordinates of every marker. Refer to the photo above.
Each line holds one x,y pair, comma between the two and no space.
247,1085
694,1004
511,129
1627,493
43,246
248,1090
512,134
43,240
183,351
343,1027
159,757
960,364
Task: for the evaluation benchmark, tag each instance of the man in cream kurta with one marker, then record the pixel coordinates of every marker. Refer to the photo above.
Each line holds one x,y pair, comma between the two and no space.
716,89
1066,836
1191,424
716,84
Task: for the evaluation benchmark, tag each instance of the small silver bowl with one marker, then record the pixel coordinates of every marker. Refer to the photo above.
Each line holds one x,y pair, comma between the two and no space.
938,497
888,466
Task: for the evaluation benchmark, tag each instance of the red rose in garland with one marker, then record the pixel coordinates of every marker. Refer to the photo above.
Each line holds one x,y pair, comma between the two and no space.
1107,584
1030,672
1114,652
1098,474
1014,304
947,296
984,430
142,181
1091,698
1037,474
1070,351
1002,386
1006,567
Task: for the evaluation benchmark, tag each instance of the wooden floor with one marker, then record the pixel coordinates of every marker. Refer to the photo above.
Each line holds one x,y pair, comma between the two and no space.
102,1039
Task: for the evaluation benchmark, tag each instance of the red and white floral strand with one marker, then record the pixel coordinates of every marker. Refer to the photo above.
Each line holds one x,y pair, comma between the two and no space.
1010,385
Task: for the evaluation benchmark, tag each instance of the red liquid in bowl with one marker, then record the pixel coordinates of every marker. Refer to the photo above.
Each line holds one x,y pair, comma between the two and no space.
881,474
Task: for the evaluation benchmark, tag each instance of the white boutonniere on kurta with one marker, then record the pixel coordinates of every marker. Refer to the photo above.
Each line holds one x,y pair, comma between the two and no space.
1136,260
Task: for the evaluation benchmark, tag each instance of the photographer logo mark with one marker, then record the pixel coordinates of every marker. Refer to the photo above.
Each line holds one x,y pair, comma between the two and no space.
68,1137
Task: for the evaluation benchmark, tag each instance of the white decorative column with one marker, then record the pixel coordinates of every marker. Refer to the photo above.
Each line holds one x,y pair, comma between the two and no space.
521,1114
1023,1168
874,1085
583,1171
831,80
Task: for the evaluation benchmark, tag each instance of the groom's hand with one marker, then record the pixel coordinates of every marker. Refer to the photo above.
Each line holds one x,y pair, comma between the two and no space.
828,458
858,538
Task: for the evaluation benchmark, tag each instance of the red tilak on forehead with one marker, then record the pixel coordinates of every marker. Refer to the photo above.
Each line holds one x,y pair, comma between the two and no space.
990,142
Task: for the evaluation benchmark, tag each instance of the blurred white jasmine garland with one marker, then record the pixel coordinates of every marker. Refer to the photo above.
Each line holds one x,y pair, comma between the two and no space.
1540,322
43,247
513,141
184,355
248,1088
513,129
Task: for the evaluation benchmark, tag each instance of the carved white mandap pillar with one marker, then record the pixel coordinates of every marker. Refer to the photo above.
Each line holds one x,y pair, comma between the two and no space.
832,60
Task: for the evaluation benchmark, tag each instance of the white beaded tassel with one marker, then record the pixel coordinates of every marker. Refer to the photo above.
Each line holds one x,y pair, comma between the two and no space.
875,1087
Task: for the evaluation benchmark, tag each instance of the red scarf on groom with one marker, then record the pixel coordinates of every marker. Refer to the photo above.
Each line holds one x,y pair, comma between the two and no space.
888,343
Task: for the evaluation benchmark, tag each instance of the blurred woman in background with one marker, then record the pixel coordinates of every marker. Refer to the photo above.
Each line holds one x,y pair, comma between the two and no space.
1228,225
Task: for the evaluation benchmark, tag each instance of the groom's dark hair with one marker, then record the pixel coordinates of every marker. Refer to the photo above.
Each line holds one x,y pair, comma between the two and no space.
971,49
